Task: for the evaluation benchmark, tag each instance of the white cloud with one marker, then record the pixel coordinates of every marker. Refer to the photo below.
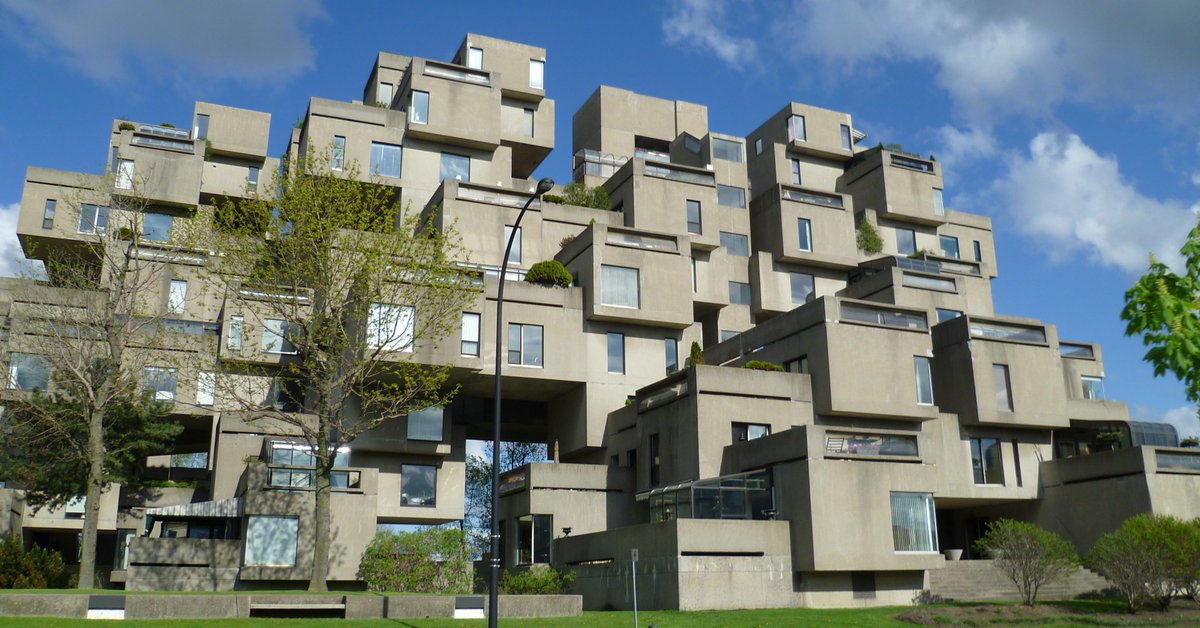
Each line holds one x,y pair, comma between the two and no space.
701,24
1075,201
12,260
958,146
1183,418
148,39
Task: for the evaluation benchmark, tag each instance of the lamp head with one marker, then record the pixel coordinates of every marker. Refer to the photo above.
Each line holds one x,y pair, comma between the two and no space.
545,185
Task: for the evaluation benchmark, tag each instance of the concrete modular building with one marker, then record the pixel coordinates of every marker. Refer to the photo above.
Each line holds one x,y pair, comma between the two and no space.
908,413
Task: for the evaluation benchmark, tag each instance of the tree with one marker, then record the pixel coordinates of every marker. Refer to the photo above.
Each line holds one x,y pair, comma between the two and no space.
1030,556
355,288
478,515
85,340
1145,559
430,560
1164,308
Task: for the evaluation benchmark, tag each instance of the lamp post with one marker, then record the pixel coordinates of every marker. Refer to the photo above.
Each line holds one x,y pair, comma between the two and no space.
543,186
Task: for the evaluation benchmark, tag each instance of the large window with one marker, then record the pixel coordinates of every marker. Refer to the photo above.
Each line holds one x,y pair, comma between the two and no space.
271,540
474,58
804,231
616,352
914,524
418,109
731,196
537,74
749,431
418,485
739,293
847,142
337,159
802,287
385,160
619,286
28,371
796,131
200,131
124,174
726,149
924,380
514,255
906,241
236,325
535,534
177,296
1003,387
949,246
938,208
736,244
157,227
1093,387
470,334
986,461
944,315
525,344
159,382
93,218
384,97
48,213
390,327
693,217
276,336
426,424
795,171
672,354
206,388
456,167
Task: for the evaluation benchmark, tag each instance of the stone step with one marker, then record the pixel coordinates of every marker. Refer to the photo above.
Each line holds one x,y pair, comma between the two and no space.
982,580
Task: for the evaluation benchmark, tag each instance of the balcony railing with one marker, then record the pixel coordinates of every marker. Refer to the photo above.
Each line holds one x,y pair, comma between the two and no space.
167,132
914,162
1002,331
596,164
149,141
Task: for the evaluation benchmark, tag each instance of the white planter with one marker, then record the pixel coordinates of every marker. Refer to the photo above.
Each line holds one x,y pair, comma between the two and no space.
953,554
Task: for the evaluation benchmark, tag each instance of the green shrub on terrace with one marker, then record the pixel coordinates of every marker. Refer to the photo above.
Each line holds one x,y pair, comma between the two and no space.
537,580
549,273
762,365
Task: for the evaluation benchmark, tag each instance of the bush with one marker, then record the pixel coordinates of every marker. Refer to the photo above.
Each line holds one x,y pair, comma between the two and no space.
696,356
125,126
1030,556
762,365
553,198
549,273
537,580
1146,559
37,568
433,560
1190,441
868,238
579,194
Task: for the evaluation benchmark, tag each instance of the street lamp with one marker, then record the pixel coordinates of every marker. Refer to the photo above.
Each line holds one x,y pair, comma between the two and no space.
543,186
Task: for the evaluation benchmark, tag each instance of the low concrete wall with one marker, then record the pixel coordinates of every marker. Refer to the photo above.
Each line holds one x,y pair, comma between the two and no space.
191,606
419,606
521,606
43,604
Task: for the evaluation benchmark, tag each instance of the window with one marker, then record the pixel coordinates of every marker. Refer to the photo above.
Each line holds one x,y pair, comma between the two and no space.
177,296
802,287
868,444
112,159
275,337
914,524
286,395
1093,387
525,344
418,485
390,327
945,315
418,110
157,227
93,219
726,150
693,274
337,159
978,251
655,462
693,217
906,241
616,352
739,293
527,125
426,424
200,130
384,97
797,365
986,461
882,316
470,334
949,246
534,536
1003,387
750,431
236,324
726,334
385,160
731,196
514,256
847,143
924,380
804,229
671,346
757,147
619,286
475,58
206,388
159,383
456,167
124,174
537,74
926,282
795,171
938,208
271,540
48,213
28,371
796,132
252,176
736,243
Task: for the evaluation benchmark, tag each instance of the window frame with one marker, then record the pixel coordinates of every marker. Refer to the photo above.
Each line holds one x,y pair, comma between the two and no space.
523,351
405,500
48,213
726,145
98,219
793,276
804,234
537,79
1097,383
942,240
616,361
939,205
237,328
930,545
124,174
478,322
337,153
796,176
471,58
418,107
292,528
982,472
609,274
381,153
401,337
671,354
514,255
747,291
35,362
736,244
793,127
154,376
452,159
739,192
923,368
155,217
911,238
847,138
698,229
281,334
177,296
1001,375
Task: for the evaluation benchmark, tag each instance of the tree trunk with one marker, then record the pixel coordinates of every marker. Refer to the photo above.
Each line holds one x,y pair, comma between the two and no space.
91,512
320,561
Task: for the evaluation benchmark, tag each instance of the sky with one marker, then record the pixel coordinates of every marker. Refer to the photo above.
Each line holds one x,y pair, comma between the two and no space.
1073,124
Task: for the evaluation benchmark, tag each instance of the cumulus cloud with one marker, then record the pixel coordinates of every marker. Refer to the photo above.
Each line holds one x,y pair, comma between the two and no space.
1075,200
702,24
12,260
1183,418
223,39
957,146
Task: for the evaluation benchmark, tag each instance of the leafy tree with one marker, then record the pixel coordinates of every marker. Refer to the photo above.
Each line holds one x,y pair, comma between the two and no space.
1145,559
478,515
576,193
430,560
867,238
1030,556
35,568
695,355
357,286
1164,308
536,580
1190,441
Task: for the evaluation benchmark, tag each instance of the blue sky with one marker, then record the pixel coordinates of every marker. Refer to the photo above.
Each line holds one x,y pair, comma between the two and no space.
1073,124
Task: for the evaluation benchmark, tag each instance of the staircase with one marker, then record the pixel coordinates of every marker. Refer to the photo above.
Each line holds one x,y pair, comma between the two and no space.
980,580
